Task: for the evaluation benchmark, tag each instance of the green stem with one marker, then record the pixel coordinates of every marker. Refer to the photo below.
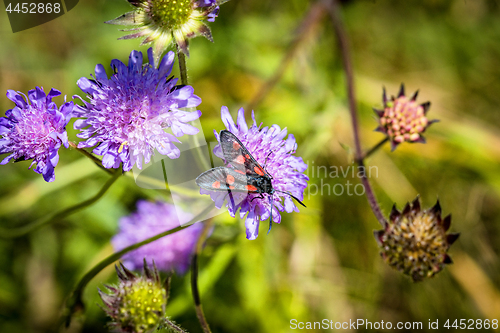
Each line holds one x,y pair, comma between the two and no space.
203,163
13,233
75,301
182,67
94,159
375,148
194,277
157,183
165,175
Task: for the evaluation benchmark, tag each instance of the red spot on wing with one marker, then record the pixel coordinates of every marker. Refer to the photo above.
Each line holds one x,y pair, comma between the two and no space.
216,184
229,179
236,145
240,159
247,156
239,171
251,188
258,170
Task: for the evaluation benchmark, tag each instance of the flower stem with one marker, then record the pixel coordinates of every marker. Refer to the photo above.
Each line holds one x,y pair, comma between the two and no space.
75,301
18,232
375,148
165,175
194,277
182,67
203,163
334,11
94,159
194,262
304,30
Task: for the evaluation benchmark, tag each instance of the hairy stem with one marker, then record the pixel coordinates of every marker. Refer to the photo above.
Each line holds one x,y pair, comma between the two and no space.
194,277
75,301
18,232
172,326
334,11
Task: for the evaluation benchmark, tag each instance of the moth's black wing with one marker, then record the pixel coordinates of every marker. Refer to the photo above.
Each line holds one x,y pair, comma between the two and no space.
238,156
223,179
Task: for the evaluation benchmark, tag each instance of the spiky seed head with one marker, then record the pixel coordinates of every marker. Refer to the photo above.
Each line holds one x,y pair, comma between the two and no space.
137,303
402,119
162,22
415,241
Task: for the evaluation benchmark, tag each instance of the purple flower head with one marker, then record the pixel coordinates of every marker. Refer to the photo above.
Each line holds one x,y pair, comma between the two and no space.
209,3
35,129
172,252
287,172
128,113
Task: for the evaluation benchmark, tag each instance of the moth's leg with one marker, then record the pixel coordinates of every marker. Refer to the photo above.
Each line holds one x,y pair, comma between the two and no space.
259,197
271,219
230,194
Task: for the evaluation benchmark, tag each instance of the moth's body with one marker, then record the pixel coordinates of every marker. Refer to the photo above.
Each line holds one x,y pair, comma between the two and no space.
227,179
244,174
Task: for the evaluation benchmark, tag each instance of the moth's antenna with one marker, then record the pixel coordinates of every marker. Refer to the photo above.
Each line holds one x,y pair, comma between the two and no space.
300,202
265,164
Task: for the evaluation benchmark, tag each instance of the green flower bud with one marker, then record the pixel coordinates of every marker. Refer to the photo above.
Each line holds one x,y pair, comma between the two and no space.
137,304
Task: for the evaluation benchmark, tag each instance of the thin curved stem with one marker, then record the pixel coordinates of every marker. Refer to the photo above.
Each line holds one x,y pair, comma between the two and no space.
375,148
75,301
94,159
334,11
194,277
313,16
18,232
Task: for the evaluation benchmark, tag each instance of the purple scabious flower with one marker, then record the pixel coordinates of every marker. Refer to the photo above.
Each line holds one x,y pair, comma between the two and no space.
286,170
128,113
35,129
172,252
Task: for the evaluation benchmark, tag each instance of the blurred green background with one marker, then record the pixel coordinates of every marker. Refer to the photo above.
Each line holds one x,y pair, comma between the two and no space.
322,262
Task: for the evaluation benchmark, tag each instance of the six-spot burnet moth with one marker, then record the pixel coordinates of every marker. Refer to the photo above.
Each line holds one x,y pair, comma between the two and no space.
245,175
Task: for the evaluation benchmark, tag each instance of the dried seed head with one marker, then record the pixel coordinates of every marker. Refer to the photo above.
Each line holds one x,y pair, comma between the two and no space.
415,241
403,119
